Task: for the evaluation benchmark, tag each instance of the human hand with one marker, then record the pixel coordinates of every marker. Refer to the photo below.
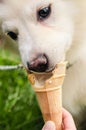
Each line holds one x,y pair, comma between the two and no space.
67,122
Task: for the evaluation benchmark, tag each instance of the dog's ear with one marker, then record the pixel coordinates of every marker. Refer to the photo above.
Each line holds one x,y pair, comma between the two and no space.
1,1
3,9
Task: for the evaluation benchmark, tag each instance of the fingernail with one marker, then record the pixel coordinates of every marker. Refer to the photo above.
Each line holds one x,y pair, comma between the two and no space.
49,125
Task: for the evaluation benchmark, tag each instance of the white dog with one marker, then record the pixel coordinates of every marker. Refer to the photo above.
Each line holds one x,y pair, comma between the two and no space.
47,32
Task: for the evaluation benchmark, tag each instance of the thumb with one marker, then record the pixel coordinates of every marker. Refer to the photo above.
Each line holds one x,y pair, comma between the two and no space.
49,125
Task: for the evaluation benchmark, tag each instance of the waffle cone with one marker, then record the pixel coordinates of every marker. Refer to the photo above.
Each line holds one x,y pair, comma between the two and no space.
49,94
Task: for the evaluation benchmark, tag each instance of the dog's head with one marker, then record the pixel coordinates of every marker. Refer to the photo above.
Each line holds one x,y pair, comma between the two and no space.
43,30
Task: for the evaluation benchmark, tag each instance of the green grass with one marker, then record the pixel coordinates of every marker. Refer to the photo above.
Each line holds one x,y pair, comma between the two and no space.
18,106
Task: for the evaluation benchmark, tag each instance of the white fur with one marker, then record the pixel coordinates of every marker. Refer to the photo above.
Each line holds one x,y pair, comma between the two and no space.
61,37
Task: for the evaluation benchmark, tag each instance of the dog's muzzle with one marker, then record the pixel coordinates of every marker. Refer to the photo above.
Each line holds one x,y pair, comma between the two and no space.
39,64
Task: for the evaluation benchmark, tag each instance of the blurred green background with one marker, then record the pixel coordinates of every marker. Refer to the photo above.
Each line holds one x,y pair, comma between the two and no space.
19,109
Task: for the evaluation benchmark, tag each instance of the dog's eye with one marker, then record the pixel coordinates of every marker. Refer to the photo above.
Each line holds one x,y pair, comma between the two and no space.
13,35
44,13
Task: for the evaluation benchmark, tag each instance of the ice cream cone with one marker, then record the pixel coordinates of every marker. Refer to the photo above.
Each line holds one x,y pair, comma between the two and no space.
49,94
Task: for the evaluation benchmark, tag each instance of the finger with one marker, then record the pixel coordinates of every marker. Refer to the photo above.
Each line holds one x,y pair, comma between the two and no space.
49,125
68,121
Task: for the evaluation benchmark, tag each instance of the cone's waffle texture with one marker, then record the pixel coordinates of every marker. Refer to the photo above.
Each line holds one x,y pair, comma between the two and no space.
48,88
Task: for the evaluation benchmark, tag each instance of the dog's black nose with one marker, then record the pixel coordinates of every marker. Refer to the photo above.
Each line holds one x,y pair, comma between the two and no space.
39,64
